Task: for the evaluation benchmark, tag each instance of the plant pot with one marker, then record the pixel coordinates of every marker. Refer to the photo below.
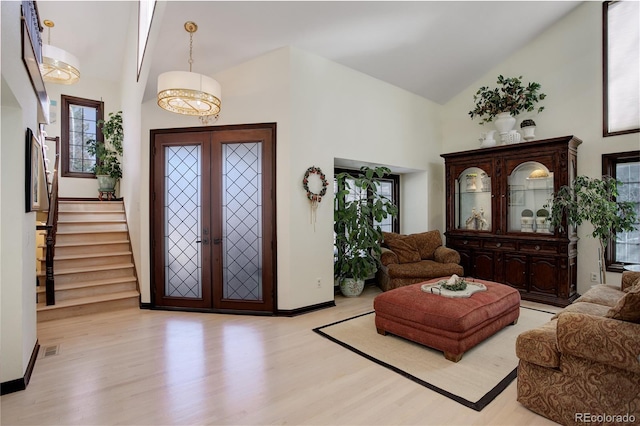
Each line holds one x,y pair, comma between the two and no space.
350,287
528,133
504,122
106,183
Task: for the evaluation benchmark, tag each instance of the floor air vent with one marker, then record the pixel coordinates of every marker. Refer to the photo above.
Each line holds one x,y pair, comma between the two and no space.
51,351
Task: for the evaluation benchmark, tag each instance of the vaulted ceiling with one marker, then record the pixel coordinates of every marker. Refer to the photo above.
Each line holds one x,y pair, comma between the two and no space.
432,48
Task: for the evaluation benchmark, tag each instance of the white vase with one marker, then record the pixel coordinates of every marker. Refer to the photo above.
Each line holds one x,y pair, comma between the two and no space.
350,287
504,122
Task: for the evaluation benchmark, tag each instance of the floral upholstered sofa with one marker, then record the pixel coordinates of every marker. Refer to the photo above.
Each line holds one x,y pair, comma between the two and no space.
584,365
410,259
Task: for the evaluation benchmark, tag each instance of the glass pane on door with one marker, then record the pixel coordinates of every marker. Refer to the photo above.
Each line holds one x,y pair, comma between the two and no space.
242,221
182,211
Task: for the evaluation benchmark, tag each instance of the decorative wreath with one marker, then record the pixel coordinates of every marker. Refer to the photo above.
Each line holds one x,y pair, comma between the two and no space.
312,196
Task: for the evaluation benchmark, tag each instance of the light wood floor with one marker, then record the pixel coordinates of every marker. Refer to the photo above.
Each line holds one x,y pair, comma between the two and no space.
139,367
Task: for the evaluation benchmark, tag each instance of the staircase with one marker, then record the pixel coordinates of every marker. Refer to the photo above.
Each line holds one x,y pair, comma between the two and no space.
93,263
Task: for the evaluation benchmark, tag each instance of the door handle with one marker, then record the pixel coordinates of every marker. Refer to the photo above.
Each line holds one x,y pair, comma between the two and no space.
217,240
203,241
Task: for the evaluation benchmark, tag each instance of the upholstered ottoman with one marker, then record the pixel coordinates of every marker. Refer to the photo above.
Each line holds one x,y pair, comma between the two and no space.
451,325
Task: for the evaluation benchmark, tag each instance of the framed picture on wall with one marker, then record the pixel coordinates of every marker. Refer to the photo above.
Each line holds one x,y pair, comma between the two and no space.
36,193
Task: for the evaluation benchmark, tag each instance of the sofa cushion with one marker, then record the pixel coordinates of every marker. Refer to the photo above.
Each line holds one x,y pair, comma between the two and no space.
404,247
628,307
427,243
585,308
388,236
425,269
601,295
539,345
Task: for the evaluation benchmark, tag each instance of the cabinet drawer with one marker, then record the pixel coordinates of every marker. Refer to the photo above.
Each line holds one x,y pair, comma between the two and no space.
503,245
539,247
464,243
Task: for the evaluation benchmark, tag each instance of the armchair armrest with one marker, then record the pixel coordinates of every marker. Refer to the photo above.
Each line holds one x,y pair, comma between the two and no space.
600,339
387,257
446,255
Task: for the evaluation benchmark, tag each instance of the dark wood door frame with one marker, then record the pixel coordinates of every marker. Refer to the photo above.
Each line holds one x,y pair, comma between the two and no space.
269,262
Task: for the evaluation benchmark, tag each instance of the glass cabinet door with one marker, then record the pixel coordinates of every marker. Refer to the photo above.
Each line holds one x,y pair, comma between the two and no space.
473,200
530,189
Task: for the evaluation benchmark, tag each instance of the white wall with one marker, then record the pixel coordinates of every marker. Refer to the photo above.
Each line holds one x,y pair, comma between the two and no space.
323,111
87,88
337,112
254,92
17,228
567,61
135,160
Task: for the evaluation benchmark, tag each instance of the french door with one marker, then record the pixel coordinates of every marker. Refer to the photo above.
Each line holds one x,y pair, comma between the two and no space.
213,218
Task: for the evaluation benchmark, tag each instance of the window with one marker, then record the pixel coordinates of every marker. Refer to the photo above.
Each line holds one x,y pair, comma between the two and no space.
390,188
621,67
79,124
145,16
625,247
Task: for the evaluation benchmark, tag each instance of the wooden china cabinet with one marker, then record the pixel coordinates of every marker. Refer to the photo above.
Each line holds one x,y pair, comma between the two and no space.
496,217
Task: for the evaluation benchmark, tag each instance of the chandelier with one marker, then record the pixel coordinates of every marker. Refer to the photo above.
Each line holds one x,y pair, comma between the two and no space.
58,66
189,93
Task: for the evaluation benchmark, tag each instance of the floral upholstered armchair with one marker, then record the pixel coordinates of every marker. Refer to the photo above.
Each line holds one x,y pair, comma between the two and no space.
410,259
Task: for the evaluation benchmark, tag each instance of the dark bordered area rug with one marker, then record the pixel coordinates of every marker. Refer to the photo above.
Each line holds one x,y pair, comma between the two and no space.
477,379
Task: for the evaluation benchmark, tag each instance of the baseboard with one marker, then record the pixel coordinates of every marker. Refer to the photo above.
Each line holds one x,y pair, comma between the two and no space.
305,310
87,199
279,313
21,384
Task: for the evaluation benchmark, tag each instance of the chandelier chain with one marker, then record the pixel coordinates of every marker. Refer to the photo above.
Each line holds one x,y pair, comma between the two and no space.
190,50
49,24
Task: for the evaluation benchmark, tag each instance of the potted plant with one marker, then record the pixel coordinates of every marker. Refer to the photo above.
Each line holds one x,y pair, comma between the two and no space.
108,152
594,200
358,206
506,101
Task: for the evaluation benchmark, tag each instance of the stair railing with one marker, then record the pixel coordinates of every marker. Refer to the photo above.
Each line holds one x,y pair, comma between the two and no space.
52,228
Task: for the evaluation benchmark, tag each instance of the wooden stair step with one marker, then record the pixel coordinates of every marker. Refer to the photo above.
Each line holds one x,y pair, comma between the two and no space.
89,300
90,212
98,231
83,284
91,269
89,243
81,244
86,285
92,221
88,305
90,255
69,205
87,256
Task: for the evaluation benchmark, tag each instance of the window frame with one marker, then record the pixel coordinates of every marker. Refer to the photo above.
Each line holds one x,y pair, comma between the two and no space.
609,163
66,103
392,177
605,75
